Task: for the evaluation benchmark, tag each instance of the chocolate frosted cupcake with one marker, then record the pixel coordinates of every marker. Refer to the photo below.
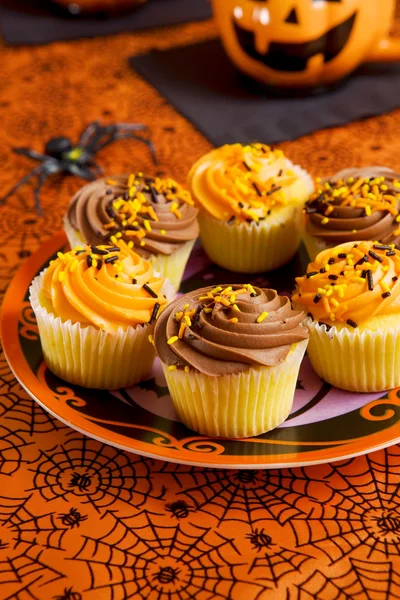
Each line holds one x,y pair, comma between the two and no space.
155,216
355,204
231,357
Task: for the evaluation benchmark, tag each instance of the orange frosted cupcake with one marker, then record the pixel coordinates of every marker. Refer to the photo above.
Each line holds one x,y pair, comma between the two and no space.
250,199
96,308
155,216
351,294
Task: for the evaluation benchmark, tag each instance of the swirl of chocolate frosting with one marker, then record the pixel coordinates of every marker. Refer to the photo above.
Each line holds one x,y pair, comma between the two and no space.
228,329
356,204
156,215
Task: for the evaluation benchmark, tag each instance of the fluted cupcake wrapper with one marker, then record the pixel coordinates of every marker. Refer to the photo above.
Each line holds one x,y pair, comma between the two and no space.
314,245
90,357
236,406
173,266
251,247
359,361
170,266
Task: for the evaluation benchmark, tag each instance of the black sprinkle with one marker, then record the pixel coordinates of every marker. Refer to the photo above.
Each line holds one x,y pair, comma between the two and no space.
150,291
246,165
342,255
269,212
79,252
375,256
134,281
311,274
310,315
114,249
323,270
98,251
381,247
196,316
255,186
351,323
355,246
254,295
342,273
364,273
317,298
155,312
334,277
386,295
231,220
391,253
370,280
116,276
275,189
362,260
132,227
394,278
328,327
89,261
108,192
280,173
99,264
111,212
241,204
331,261
111,259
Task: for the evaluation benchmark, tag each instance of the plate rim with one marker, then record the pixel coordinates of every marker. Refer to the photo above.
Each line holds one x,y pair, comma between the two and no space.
10,314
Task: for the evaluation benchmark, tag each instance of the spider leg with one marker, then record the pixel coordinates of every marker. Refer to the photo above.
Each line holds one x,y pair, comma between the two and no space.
87,133
20,183
36,192
32,154
132,136
132,126
83,172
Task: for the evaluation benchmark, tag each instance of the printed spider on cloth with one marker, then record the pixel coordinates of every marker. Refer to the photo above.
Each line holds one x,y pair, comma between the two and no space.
62,156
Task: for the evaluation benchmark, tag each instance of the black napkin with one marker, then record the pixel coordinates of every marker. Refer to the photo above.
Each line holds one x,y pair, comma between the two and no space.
26,22
201,82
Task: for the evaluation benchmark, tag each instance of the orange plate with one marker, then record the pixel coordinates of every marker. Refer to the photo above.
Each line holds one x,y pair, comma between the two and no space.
326,424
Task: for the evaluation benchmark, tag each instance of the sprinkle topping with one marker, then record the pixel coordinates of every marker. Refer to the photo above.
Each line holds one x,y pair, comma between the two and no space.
361,276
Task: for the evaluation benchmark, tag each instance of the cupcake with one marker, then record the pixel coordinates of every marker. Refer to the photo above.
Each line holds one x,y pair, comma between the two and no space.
355,204
352,296
96,308
250,200
231,356
154,216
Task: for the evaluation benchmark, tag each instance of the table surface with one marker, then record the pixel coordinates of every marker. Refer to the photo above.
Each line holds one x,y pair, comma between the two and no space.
142,528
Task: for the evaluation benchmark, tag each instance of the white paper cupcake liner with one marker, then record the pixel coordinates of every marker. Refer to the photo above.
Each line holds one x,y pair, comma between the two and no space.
236,406
90,357
354,360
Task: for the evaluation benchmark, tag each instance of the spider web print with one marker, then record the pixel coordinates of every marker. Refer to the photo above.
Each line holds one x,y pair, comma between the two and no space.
362,581
361,511
245,496
23,539
274,561
139,558
11,445
93,473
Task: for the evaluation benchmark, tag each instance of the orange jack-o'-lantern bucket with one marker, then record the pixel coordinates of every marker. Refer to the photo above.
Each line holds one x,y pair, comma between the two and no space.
305,43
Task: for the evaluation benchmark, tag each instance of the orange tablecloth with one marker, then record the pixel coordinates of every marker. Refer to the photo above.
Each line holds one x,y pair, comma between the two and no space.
140,528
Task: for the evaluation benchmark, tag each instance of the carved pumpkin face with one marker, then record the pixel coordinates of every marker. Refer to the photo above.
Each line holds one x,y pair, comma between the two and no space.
295,43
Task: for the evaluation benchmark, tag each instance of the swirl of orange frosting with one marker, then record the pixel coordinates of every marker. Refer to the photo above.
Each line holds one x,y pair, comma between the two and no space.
246,182
351,283
105,286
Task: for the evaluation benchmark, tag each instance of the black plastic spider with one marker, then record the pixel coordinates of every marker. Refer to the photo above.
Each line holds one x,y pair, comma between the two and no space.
61,156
